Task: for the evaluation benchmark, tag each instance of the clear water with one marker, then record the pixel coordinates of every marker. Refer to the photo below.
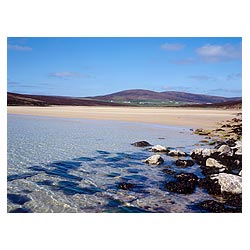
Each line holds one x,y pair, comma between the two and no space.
76,165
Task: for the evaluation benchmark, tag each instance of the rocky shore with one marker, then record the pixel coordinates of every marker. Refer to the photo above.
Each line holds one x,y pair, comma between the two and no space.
219,157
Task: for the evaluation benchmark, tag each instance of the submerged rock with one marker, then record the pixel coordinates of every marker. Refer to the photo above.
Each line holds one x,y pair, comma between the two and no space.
185,183
154,160
141,144
212,206
184,163
175,152
125,186
159,148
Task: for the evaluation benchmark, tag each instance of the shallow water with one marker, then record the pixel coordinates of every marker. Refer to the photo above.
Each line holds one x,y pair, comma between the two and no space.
76,165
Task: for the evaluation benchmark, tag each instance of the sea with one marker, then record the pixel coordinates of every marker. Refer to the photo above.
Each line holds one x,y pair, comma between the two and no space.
69,165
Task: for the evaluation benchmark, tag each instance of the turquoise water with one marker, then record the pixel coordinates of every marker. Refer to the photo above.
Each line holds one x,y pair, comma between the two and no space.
76,165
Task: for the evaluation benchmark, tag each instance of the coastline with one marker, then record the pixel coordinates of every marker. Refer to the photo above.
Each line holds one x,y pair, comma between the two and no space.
173,116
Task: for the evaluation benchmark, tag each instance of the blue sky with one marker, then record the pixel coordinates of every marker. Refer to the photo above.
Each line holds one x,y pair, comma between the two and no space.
97,66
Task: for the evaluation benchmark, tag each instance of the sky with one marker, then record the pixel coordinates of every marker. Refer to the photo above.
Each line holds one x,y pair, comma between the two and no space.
87,66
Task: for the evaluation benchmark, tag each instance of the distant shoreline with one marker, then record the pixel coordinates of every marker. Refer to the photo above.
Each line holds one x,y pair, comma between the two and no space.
188,117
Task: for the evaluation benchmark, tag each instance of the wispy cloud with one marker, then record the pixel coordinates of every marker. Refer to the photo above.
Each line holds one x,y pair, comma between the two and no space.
68,75
172,46
225,91
19,47
233,77
202,78
219,53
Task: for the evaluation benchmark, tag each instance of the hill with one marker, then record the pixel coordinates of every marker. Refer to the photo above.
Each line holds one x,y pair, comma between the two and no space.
148,95
14,99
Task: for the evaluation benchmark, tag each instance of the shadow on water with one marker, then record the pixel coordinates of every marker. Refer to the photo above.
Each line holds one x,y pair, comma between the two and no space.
18,199
69,183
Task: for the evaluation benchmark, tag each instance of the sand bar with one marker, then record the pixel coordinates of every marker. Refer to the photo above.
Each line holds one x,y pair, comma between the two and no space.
190,117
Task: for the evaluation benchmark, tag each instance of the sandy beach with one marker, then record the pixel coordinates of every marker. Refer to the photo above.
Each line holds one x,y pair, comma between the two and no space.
190,117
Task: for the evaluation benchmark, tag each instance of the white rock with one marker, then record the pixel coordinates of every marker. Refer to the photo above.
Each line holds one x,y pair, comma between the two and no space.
159,148
226,150
154,160
229,183
177,153
211,162
204,152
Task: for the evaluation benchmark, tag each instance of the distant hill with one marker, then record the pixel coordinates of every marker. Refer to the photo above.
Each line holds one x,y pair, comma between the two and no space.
135,97
141,94
225,105
14,99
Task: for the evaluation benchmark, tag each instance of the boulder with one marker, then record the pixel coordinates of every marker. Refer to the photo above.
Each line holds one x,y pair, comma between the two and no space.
185,183
229,183
225,150
154,160
177,153
202,154
211,162
184,163
141,144
212,206
159,148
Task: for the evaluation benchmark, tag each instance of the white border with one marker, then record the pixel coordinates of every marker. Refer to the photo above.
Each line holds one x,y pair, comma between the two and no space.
123,18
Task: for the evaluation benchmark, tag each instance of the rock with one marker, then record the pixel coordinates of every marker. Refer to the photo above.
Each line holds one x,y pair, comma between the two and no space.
159,148
204,152
154,160
185,183
225,150
211,162
229,183
184,163
176,153
168,171
212,206
201,154
141,144
211,186
125,186
238,151
201,131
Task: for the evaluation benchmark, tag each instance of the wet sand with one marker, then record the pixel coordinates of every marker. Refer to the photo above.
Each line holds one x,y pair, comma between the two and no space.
189,117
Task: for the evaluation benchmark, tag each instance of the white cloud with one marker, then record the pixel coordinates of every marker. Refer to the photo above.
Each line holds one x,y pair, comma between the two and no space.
172,46
68,74
19,47
217,53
